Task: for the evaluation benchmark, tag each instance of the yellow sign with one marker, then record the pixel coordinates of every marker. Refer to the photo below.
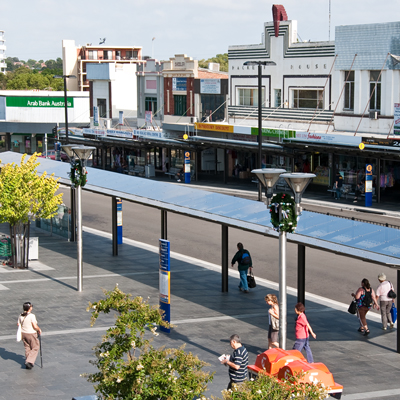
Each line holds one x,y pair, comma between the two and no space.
213,127
361,146
185,136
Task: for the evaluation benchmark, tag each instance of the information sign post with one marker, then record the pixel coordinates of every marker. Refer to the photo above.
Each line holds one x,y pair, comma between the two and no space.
164,282
119,221
368,185
187,166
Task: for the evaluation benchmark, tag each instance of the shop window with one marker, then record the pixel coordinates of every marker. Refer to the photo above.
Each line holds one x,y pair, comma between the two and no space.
150,104
249,97
349,90
180,105
375,80
212,107
308,98
92,54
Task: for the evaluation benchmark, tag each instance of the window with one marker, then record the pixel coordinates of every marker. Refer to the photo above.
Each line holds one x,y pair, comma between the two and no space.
308,99
102,106
131,55
107,55
375,80
249,97
213,104
150,104
92,54
278,101
349,90
180,105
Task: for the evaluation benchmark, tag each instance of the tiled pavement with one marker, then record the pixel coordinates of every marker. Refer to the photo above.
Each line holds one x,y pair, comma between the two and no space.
204,319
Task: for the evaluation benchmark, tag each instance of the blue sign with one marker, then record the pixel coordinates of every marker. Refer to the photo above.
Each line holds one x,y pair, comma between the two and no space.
187,166
164,281
119,221
179,84
368,185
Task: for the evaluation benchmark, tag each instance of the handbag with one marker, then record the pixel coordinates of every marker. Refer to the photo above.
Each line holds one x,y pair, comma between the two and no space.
352,307
251,282
274,323
393,313
19,333
391,294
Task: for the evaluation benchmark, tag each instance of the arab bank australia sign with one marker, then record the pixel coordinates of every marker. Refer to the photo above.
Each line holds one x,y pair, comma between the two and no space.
39,102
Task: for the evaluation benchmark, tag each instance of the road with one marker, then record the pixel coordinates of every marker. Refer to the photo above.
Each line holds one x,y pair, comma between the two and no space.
327,274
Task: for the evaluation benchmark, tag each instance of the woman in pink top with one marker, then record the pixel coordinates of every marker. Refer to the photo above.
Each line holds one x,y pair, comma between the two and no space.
302,335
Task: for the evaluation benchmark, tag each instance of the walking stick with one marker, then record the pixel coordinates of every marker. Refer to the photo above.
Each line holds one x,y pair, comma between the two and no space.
40,347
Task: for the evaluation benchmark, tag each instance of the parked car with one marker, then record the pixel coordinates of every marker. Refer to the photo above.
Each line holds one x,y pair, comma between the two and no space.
52,155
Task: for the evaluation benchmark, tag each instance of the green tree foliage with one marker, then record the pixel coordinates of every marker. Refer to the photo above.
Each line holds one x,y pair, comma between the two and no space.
222,59
153,374
24,195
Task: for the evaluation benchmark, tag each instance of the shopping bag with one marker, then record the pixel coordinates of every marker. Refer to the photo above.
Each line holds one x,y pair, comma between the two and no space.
19,334
251,282
352,307
393,313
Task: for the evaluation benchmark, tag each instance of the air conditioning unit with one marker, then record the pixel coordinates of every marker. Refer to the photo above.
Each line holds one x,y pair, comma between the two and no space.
193,120
373,115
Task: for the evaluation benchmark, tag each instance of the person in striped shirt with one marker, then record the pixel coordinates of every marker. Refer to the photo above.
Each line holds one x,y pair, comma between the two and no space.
237,362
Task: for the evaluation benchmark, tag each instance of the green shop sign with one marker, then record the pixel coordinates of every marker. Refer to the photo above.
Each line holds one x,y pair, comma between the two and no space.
39,102
280,133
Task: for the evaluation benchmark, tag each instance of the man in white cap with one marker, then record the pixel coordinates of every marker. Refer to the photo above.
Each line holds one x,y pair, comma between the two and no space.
384,300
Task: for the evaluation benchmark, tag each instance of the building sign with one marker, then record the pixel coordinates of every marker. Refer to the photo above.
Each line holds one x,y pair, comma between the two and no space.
328,138
148,116
210,86
381,142
397,118
179,84
179,65
132,134
39,102
96,116
213,127
270,132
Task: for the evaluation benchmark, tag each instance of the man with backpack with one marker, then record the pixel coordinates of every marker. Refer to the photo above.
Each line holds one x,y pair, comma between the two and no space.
243,258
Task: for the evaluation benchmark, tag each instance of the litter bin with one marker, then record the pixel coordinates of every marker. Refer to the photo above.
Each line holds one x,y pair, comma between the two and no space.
149,171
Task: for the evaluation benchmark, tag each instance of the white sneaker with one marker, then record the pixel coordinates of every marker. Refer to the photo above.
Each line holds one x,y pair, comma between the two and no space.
178,180
391,325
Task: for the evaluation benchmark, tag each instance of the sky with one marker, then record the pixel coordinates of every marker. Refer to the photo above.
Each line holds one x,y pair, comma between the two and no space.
198,28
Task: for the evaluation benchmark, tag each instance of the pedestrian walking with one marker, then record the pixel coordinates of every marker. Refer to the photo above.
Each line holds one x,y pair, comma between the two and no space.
30,331
273,320
365,297
237,362
243,258
338,185
302,329
385,302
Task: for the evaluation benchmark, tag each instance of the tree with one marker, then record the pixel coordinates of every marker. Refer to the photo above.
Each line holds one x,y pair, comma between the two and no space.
25,196
153,373
222,59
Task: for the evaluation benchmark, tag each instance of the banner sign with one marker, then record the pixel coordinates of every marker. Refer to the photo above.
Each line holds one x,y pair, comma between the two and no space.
39,102
96,116
270,132
179,84
210,86
213,127
133,134
164,280
382,142
121,118
397,118
328,138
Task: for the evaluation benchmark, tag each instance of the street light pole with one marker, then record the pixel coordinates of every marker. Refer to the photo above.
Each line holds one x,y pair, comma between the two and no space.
65,102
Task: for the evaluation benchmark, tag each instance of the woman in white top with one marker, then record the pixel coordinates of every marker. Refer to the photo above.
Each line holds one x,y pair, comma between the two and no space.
30,331
385,302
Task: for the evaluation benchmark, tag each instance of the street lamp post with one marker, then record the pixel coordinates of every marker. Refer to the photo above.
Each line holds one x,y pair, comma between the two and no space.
298,182
65,102
268,178
260,104
78,179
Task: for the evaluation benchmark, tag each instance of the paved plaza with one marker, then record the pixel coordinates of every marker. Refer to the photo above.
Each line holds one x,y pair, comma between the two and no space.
203,316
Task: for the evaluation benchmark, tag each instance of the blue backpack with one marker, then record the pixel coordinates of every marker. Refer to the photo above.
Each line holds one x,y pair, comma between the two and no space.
245,259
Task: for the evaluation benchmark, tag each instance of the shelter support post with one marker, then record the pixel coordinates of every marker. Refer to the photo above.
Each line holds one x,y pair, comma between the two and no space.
397,290
73,214
282,290
378,180
8,141
225,167
225,262
164,225
114,225
301,273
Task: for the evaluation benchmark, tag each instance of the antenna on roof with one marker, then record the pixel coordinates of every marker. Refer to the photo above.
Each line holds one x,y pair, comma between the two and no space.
102,41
